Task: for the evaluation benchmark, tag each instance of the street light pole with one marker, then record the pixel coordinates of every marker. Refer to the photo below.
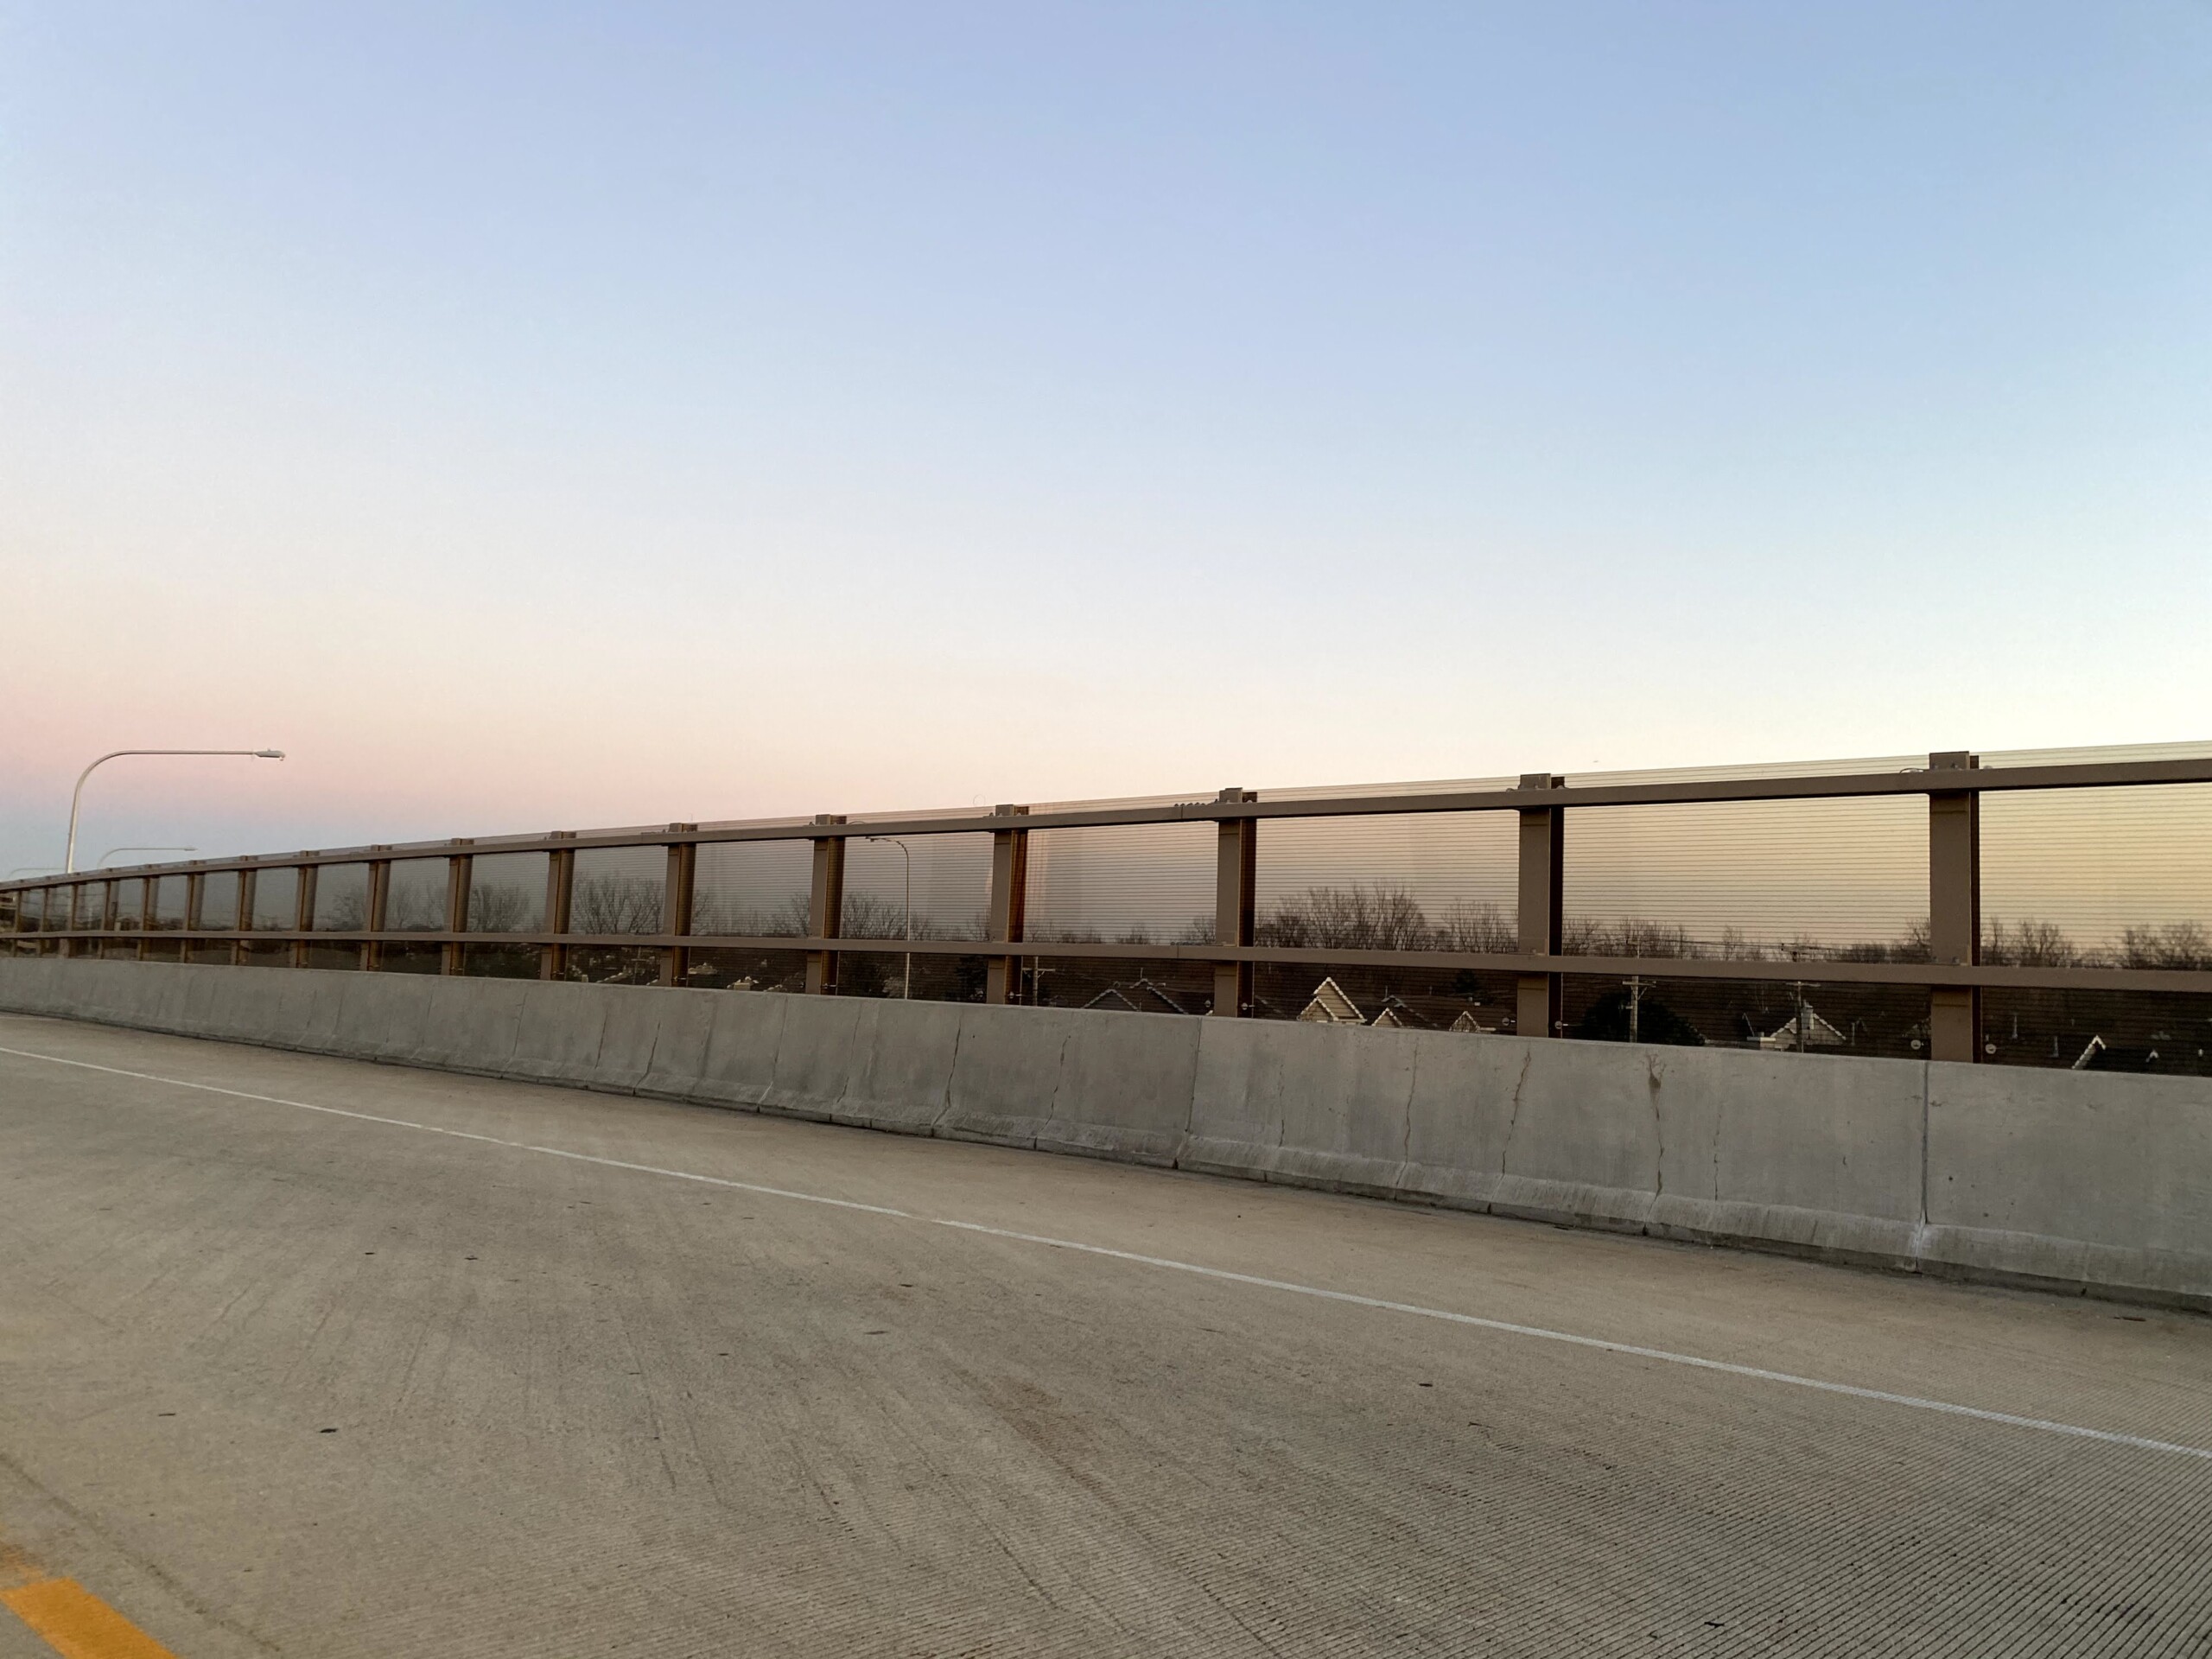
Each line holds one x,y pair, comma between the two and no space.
906,990
69,856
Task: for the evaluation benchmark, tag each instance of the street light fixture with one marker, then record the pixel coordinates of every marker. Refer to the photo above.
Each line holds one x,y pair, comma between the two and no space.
69,857
906,990
112,851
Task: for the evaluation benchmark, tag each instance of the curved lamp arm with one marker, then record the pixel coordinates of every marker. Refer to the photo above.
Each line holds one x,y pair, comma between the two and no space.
69,857
112,851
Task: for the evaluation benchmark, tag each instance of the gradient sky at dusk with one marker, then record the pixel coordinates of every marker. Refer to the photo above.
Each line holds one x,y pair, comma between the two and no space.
537,416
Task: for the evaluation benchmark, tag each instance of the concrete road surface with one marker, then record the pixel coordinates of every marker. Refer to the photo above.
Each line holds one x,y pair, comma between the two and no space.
304,1356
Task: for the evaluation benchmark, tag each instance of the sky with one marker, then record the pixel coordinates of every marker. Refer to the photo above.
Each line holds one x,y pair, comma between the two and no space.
549,416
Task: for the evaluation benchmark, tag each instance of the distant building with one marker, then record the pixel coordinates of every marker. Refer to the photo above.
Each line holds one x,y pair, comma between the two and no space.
1331,1007
2102,1056
1139,996
1421,1013
1819,1033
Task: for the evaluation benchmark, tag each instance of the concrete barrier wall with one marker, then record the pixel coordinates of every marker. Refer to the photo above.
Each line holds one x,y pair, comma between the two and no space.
2067,1180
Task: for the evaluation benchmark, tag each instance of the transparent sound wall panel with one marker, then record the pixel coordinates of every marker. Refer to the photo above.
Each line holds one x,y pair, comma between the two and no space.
416,901
755,887
1836,1018
129,911
871,973
92,904
126,913
500,961
276,899
742,970
506,893
1420,881
619,890
169,892
1123,884
342,899
951,887
218,899
2161,1035
1119,985
1402,996
600,965
2118,878
1751,880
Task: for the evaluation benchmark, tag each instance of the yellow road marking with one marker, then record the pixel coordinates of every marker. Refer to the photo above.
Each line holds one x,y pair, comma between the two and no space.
77,1624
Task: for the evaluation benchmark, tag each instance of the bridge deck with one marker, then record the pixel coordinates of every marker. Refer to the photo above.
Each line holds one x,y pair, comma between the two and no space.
596,1374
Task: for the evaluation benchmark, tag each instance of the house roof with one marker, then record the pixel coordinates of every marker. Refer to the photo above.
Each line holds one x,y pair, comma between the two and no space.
1818,1033
1139,996
1329,1006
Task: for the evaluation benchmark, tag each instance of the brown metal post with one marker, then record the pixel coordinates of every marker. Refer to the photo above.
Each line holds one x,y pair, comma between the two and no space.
825,909
1538,1003
303,913
148,889
194,883
1235,872
560,900
379,904
244,919
1009,900
459,868
1954,910
675,901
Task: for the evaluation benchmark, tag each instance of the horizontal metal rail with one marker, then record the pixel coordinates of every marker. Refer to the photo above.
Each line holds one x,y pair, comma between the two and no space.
2115,774
1811,971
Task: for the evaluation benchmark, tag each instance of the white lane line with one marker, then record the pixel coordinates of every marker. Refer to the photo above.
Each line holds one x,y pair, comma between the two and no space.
1541,1333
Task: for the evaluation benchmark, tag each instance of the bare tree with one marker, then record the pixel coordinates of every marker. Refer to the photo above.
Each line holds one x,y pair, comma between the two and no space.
615,904
345,912
870,917
2027,943
1477,929
501,908
1735,947
1632,936
1374,915
1918,944
2176,945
